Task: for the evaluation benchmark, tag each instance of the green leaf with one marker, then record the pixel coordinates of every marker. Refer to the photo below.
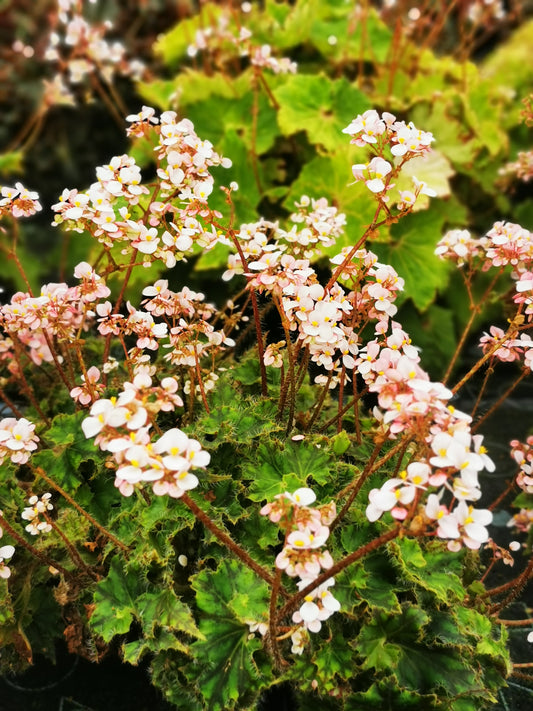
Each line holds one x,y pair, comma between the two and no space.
157,92
232,590
237,421
412,254
215,258
331,177
340,443
319,106
173,45
161,642
115,601
376,651
386,696
11,162
432,569
433,169
62,462
275,470
162,608
435,352
66,429
397,643
366,40
333,660
227,598
509,66
246,199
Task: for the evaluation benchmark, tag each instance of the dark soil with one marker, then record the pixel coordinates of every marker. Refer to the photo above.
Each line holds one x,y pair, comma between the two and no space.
75,684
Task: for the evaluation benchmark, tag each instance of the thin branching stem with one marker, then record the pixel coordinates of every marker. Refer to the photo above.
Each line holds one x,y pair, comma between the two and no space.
40,472
230,543
350,559
42,557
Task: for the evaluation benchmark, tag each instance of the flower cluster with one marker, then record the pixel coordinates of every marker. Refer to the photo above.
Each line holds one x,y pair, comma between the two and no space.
216,38
303,555
80,49
90,390
522,453
521,169
6,552
59,312
506,348
169,226
37,514
17,439
326,321
451,456
321,224
505,243
18,201
191,336
404,141
509,245
121,426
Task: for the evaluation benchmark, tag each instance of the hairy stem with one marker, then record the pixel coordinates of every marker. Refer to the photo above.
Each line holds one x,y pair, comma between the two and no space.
293,601
42,557
229,543
39,472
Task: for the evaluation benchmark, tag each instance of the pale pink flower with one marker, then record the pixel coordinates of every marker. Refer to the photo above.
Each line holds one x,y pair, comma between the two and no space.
6,552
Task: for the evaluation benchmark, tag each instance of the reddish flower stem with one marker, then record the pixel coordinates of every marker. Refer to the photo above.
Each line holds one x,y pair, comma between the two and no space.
227,541
39,472
293,601
42,557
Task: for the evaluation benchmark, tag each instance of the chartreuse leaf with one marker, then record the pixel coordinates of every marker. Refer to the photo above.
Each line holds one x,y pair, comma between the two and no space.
319,106
509,67
340,36
227,599
278,469
330,177
70,448
187,87
442,118
433,169
483,115
412,253
11,162
172,46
